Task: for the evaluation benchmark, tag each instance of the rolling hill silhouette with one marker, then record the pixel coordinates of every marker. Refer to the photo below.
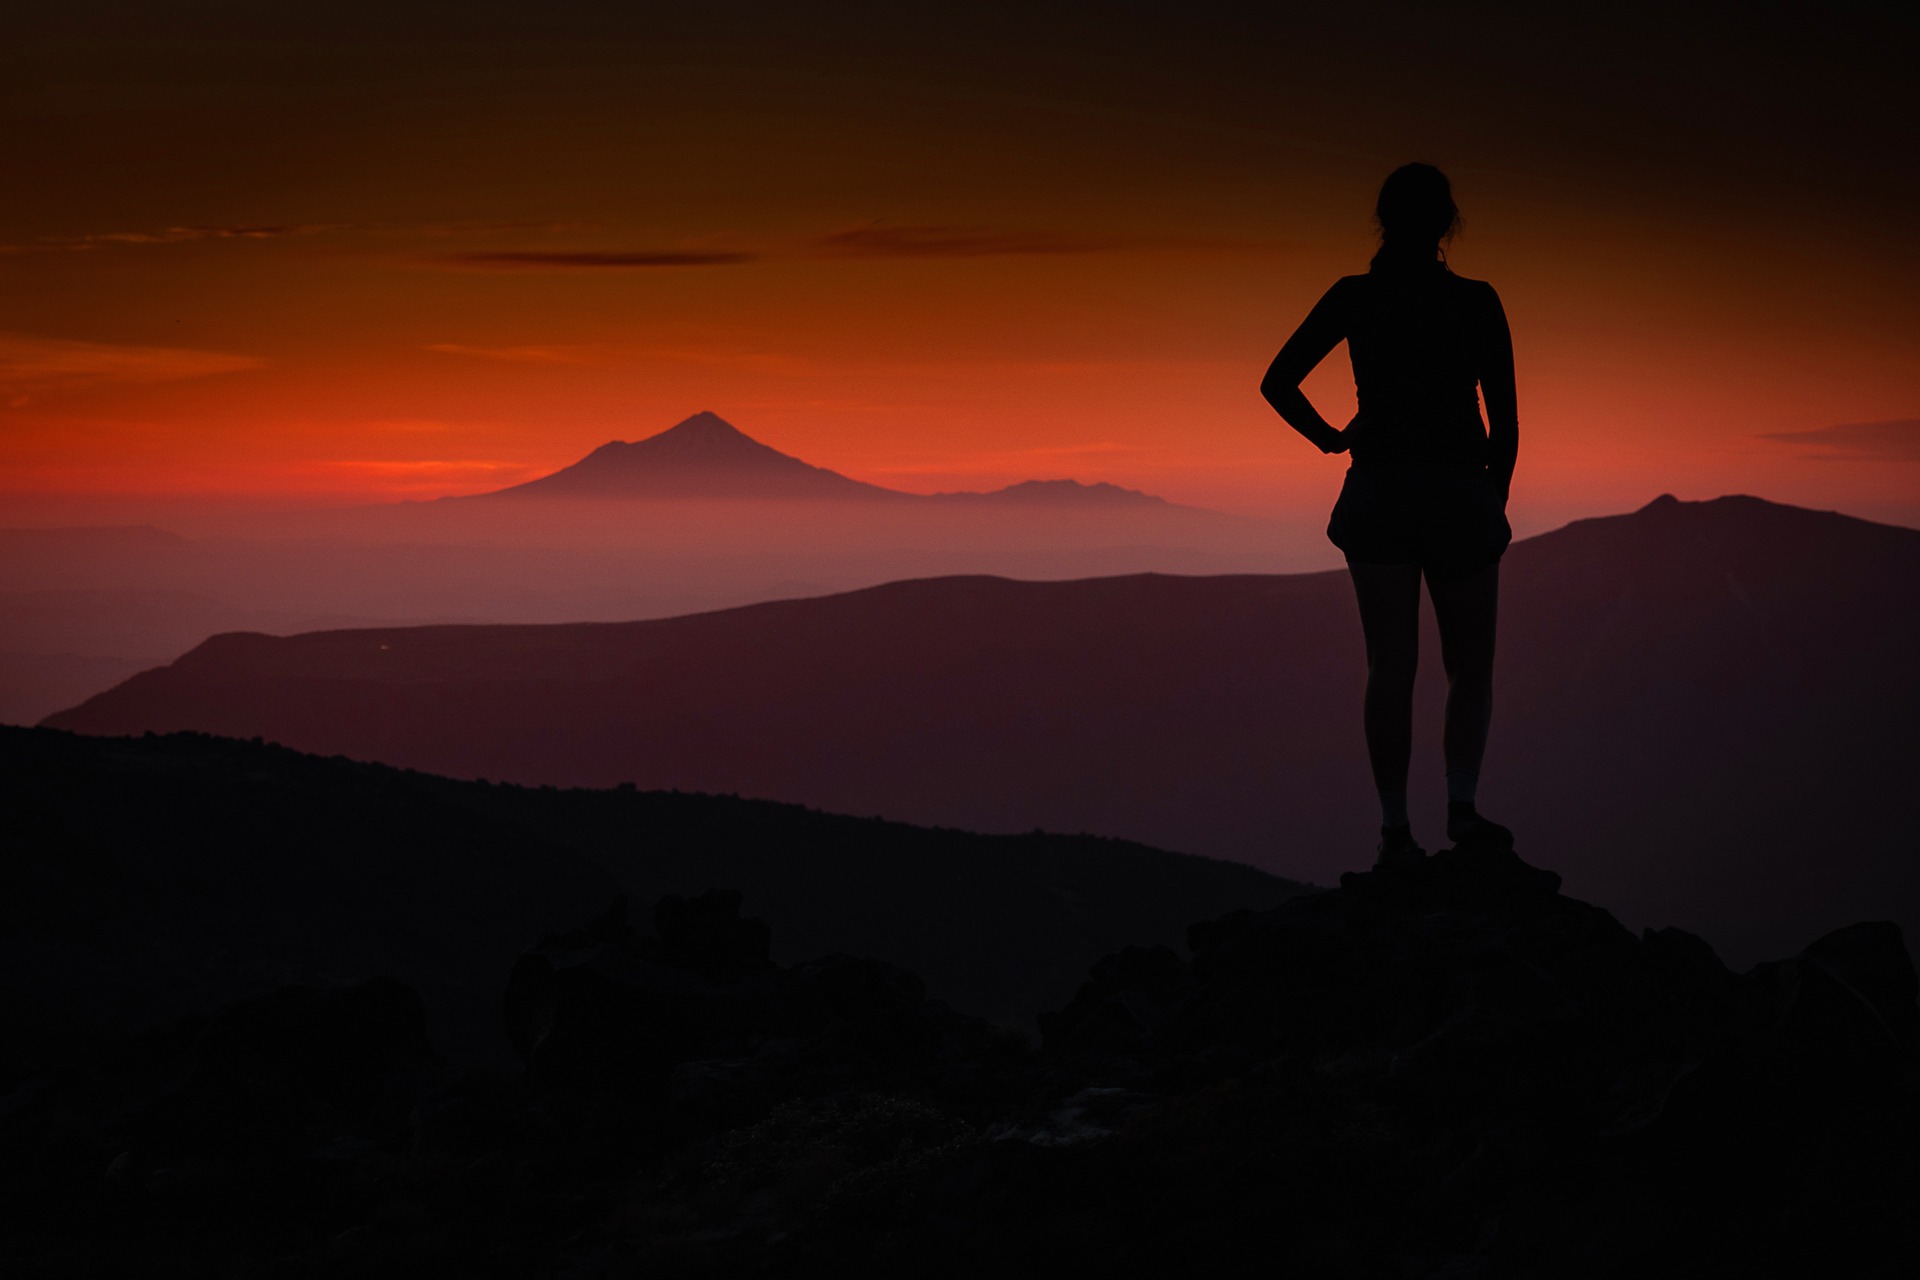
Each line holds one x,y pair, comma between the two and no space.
163,876
1706,710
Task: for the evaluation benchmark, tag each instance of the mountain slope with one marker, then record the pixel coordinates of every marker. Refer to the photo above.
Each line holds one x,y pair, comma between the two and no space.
1704,708
703,456
1057,492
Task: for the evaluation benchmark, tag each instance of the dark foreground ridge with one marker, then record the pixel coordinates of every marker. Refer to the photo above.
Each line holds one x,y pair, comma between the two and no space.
1458,1072
152,877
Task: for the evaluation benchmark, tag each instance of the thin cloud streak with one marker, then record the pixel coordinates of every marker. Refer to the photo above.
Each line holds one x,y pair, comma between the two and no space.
175,235
285,230
1892,440
588,260
958,242
416,477
441,229
558,355
941,241
168,235
871,242
32,366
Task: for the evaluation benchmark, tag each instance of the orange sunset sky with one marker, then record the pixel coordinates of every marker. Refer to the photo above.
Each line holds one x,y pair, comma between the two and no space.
357,252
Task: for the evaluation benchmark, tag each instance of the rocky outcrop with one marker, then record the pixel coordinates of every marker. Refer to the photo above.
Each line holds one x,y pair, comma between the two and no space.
1449,1070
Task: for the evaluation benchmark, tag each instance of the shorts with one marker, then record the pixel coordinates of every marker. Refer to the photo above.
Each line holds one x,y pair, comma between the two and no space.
1448,520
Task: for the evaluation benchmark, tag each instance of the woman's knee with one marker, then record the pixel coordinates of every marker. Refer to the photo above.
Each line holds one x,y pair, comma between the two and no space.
1467,661
1390,667
1476,682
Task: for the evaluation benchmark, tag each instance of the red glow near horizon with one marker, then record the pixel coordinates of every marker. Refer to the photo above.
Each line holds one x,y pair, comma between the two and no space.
430,289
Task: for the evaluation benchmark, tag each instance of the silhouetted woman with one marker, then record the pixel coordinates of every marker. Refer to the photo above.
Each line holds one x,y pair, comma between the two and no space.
1426,492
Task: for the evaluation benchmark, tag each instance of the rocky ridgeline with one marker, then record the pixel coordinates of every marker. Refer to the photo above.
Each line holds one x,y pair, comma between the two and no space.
1450,1071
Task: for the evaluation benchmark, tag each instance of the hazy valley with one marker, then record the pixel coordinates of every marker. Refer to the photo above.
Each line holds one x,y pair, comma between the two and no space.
695,518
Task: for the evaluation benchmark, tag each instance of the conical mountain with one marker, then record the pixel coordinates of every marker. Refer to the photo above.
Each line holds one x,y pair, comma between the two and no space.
703,457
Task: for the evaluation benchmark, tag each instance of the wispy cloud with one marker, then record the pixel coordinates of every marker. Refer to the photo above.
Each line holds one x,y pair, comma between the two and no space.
928,241
1893,440
32,366
862,242
554,225
418,477
957,242
944,241
167,235
875,240
587,260
609,355
563,355
175,235
283,230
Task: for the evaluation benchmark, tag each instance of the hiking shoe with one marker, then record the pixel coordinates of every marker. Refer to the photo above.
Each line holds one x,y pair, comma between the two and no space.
1397,848
1467,828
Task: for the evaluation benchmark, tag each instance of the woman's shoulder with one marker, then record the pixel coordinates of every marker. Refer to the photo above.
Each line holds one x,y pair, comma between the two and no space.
1478,298
1348,291
1467,285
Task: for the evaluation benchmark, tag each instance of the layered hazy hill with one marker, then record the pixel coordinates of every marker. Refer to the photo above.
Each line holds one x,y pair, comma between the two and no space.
699,516
1705,709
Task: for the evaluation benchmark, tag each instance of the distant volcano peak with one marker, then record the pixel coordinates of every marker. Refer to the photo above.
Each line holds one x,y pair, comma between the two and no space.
705,431
700,457
706,458
706,438
706,425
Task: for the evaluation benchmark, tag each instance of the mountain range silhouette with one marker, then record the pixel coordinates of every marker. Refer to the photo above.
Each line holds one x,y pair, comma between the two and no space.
1706,711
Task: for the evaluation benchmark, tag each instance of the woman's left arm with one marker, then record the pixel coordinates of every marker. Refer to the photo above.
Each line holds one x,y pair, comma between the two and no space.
1322,331
1496,389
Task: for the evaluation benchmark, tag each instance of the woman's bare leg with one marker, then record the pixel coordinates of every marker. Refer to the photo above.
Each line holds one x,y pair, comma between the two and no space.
1466,607
1389,596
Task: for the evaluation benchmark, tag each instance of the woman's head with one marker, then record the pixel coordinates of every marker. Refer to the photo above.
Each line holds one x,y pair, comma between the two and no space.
1415,212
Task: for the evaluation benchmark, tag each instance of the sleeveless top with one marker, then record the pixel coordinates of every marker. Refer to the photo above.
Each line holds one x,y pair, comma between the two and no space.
1425,345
